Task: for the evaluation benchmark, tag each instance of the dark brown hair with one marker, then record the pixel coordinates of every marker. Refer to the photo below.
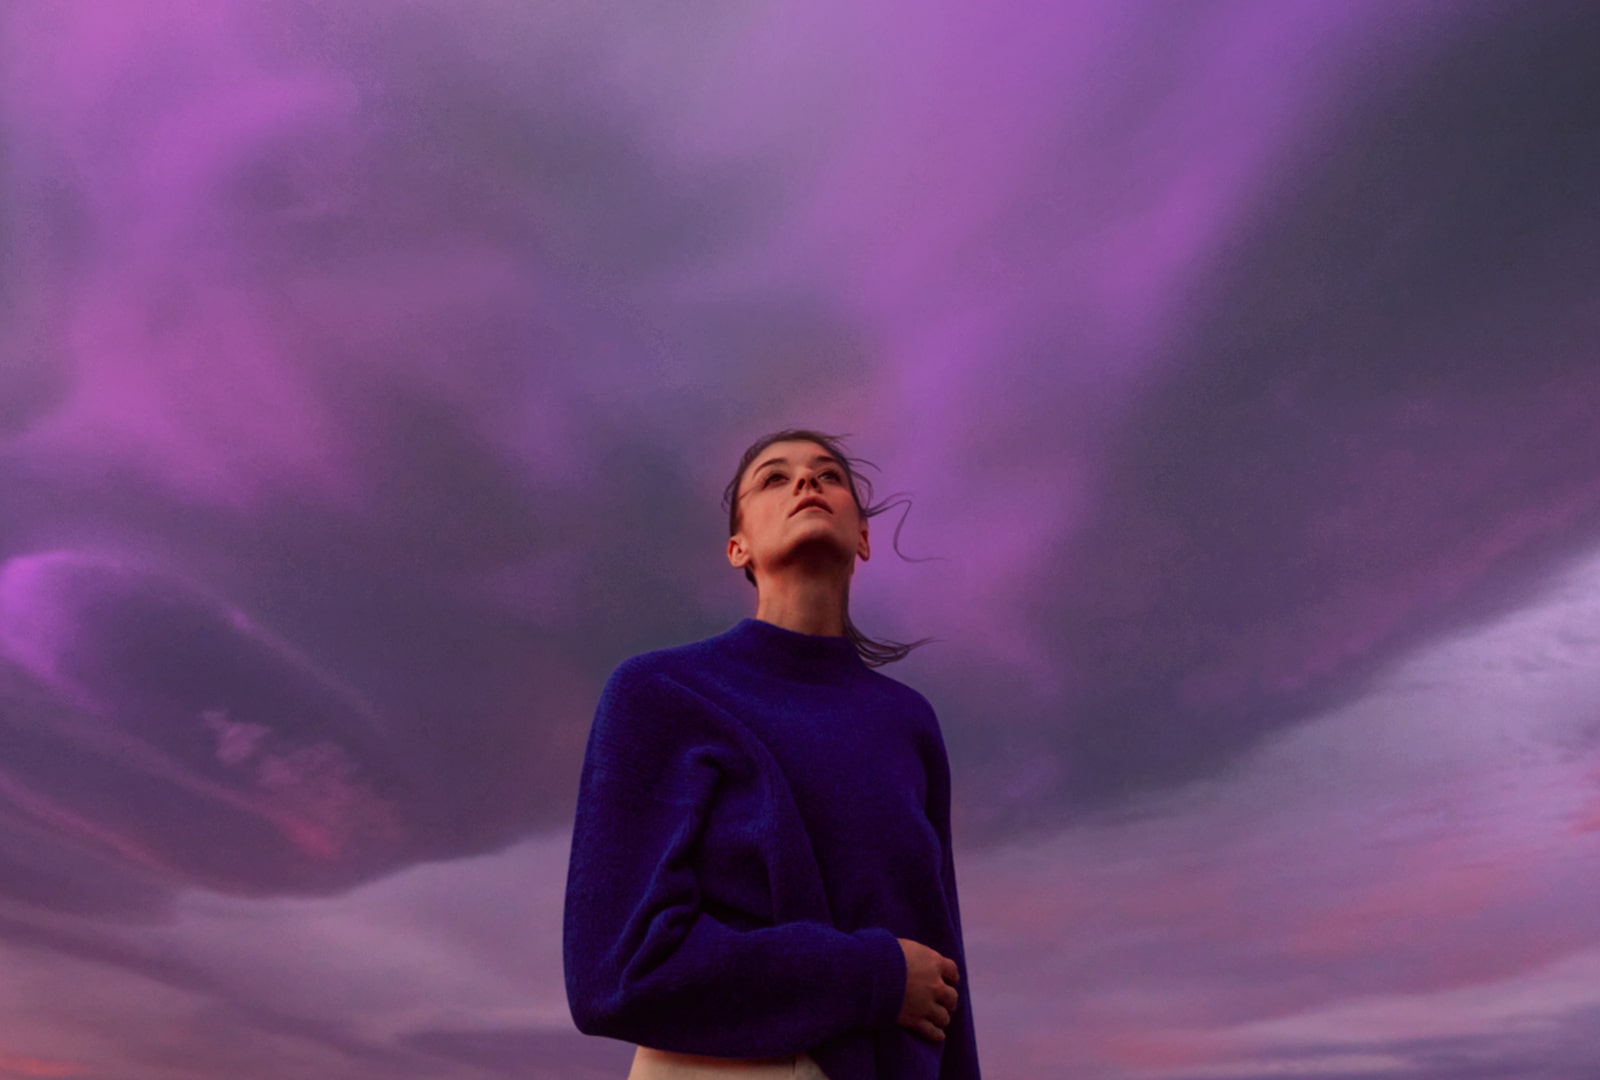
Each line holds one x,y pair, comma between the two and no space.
873,653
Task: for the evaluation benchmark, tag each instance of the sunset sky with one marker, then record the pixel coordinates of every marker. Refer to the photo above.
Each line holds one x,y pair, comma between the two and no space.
371,371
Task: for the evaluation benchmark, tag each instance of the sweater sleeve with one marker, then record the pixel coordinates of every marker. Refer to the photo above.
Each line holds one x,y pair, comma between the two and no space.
643,961
959,1059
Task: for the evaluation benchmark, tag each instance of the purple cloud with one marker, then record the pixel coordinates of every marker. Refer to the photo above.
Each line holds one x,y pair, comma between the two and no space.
369,374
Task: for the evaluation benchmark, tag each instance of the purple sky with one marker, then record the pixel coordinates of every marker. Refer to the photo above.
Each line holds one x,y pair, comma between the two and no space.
370,373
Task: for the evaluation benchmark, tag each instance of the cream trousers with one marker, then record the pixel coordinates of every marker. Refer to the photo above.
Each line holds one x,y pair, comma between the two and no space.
651,1064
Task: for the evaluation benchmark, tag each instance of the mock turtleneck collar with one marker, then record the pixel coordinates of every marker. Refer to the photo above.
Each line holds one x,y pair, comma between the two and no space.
819,658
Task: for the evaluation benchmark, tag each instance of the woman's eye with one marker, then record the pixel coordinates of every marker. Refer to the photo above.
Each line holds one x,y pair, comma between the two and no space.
835,473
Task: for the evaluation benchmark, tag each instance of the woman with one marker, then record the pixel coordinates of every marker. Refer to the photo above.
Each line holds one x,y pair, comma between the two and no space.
761,880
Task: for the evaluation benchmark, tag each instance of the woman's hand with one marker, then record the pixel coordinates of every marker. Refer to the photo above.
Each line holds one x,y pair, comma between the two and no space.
930,999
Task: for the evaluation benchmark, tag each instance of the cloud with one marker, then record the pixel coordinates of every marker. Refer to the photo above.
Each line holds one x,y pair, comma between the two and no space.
229,748
369,374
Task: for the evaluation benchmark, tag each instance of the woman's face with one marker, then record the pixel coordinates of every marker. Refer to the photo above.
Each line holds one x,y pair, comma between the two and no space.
773,528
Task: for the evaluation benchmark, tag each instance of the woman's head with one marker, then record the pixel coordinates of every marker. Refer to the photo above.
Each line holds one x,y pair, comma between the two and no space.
795,503
769,531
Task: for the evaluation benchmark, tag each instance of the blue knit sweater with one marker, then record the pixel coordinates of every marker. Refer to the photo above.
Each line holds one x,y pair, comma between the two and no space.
759,816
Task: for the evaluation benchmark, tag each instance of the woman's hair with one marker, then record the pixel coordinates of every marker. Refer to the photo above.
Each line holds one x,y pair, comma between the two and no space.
874,653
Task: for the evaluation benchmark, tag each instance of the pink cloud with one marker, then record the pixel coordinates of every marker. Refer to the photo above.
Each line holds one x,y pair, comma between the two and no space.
21,1066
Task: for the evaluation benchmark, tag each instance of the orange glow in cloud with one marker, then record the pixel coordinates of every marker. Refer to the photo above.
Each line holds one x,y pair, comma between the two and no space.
1452,883
1023,910
59,817
1131,1049
1445,882
19,1065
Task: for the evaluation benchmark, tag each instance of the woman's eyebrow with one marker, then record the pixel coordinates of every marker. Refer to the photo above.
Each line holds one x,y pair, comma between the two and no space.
785,461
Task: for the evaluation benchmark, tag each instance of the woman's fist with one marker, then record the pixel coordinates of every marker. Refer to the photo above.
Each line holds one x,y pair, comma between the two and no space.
930,999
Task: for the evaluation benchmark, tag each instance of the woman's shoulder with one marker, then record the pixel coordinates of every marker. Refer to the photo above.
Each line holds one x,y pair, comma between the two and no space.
680,674
681,662
671,662
632,678
903,694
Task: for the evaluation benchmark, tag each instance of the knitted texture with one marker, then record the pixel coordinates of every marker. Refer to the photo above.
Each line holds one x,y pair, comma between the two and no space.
760,815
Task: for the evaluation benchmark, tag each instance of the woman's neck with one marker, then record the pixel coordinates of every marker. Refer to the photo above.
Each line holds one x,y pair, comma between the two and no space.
806,605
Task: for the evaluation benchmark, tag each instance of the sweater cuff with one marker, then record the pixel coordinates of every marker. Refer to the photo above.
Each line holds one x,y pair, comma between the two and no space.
886,966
